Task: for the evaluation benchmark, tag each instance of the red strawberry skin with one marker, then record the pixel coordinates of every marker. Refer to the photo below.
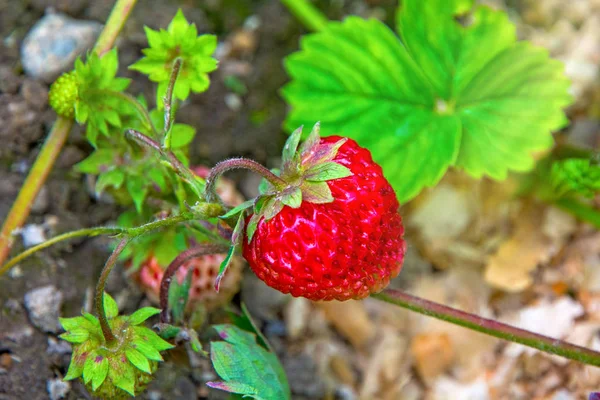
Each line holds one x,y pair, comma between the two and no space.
342,250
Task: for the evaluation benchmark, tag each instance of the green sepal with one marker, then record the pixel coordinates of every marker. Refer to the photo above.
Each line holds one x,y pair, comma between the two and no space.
292,197
178,297
142,315
291,146
100,373
327,171
147,350
110,306
150,337
77,335
138,360
316,192
234,211
122,375
236,240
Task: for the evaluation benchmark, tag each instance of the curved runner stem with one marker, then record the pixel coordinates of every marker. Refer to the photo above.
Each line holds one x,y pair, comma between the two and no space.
197,251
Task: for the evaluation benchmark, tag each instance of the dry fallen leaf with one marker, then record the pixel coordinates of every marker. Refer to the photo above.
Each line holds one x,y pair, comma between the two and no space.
350,319
433,354
511,266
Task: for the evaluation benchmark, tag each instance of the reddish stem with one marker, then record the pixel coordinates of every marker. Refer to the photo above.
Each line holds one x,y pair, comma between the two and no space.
238,163
196,251
490,327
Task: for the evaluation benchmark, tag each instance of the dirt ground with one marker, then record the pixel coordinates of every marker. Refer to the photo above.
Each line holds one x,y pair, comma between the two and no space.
375,351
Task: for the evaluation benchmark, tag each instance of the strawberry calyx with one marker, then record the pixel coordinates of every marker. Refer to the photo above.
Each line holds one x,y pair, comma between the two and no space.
117,369
306,168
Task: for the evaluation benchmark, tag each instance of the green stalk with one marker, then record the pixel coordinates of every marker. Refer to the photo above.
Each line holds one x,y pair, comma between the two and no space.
580,210
109,336
490,327
310,16
56,139
130,233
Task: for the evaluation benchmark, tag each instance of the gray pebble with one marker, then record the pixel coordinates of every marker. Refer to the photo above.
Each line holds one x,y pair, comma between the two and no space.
57,389
43,307
53,44
59,347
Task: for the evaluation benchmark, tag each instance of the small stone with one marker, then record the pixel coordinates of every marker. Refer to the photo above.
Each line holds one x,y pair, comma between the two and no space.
57,388
59,347
233,101
33,235
43,307
53,44
6,361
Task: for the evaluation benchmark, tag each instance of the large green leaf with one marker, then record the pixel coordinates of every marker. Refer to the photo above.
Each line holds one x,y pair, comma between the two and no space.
441,94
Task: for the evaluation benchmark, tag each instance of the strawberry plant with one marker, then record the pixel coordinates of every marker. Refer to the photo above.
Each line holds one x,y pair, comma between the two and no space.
326,225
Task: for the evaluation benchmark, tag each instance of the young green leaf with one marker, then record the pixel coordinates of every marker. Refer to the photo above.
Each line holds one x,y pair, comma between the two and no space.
575,176
142,315
246,367
440,95
178,297
99,104
179,40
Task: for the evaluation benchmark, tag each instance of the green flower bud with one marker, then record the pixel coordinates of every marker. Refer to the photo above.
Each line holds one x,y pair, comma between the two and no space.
63,94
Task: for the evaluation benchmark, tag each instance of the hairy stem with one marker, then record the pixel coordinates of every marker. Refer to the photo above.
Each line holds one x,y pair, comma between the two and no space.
110,263
65,236
308,14
168,101
197,251
210,193
56,139
490,327
130,233
580,210
184,172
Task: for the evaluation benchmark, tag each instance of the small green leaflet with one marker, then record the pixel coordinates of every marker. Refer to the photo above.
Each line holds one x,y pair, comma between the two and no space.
575,176
236,241
246,367
178,297
440,95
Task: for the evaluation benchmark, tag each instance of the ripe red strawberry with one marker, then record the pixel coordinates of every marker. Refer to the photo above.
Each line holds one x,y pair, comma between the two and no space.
343,239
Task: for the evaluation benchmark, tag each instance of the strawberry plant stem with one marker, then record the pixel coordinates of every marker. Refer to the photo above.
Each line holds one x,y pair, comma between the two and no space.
56,139
580,210
169,103
127,232
100,311
183,171
308,14
69,235
490,327
116,20
237,163
165,283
